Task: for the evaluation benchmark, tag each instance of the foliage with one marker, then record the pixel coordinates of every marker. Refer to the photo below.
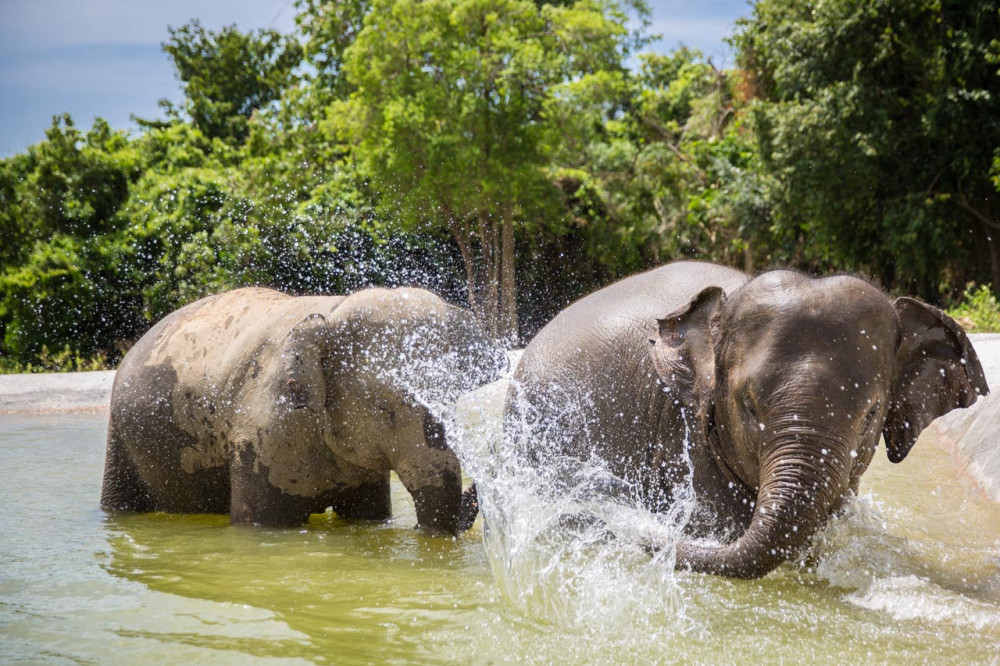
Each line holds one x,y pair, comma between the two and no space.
978,311
513,155
66,360
71,183
667,169
876,124
450,123
329,29
59,274
229,75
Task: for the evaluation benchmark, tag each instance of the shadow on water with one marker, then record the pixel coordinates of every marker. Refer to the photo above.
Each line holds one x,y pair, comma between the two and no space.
343,591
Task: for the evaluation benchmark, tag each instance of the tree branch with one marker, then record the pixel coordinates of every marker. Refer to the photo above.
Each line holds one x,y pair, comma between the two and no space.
668,141
969,208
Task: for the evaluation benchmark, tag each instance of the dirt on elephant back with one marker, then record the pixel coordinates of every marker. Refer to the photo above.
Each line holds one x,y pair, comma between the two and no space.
44,393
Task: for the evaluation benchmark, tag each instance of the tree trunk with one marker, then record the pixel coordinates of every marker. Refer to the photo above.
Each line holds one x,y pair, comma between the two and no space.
492,285
472,287
508,284
490,275
748,265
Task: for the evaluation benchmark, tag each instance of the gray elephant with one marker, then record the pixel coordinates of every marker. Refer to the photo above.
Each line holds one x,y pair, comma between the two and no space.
768,393
270,407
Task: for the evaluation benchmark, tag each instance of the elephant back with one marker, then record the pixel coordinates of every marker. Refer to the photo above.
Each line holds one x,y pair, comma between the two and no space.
412,338
585,384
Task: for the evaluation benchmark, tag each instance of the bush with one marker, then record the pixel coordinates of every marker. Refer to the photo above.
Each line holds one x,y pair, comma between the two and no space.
979,310
66,360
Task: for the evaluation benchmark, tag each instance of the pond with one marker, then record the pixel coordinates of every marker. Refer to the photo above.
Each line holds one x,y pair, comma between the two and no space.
911,572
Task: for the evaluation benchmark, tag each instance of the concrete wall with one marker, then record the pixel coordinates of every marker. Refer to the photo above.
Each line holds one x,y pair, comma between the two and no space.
56,392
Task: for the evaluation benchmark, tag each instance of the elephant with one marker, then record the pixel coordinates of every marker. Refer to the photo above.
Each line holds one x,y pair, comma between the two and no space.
270,407
763,396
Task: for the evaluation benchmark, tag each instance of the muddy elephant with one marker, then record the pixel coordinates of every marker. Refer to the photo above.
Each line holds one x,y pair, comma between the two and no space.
765,396
271,407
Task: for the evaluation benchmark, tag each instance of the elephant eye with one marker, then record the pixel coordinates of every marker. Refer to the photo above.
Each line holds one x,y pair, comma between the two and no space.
750,410
870,417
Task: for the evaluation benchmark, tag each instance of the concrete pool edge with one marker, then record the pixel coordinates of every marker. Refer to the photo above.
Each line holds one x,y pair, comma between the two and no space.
972,435
56,392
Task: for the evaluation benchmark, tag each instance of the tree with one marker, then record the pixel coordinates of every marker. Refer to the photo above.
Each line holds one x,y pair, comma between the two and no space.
329,28
667,170
877,122
450,123
228,75
59,280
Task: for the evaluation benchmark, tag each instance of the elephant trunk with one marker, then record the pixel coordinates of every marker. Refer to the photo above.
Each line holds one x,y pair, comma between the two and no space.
802,481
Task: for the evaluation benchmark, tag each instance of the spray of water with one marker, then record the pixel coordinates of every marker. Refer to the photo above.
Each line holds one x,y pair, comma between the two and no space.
566,545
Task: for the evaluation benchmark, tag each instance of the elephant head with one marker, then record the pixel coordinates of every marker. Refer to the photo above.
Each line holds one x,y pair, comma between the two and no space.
789,382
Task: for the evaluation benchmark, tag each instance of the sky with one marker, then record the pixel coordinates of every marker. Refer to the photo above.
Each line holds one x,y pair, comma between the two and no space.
103,57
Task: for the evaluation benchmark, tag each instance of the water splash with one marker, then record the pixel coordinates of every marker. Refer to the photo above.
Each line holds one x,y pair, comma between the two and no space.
565,543
884,572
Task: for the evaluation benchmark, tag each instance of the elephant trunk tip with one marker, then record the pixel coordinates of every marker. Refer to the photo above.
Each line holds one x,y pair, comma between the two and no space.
786,517
730,560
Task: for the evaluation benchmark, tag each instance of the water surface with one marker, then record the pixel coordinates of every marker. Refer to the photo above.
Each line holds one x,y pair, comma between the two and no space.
911,573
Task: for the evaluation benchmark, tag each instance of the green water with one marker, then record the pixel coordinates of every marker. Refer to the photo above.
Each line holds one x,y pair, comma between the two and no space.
911,574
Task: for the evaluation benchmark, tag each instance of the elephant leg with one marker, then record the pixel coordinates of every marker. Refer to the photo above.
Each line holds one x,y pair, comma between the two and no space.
433,478
254,501
368,501
469,509
123,489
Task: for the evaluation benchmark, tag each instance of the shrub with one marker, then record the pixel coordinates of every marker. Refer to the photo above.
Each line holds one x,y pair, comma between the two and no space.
978,311
66,360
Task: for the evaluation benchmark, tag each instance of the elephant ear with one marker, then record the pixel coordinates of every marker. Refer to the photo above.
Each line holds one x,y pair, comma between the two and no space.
684,353
304,384
937,370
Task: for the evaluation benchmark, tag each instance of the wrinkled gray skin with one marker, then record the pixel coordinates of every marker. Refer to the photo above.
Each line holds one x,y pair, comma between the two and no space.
270,407
784,383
